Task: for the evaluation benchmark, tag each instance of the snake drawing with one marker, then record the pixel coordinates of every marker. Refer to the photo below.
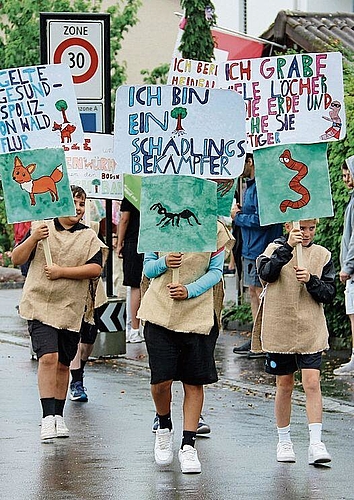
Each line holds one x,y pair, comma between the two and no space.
295,183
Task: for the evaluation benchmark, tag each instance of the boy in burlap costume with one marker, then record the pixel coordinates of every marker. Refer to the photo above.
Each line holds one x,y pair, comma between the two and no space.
291,328
54,301
181,329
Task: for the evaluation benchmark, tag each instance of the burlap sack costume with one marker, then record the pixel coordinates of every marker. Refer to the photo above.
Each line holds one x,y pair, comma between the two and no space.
289,320
61,303
195,315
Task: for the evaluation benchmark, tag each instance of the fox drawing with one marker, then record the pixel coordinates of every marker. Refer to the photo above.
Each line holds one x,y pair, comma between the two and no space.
23,176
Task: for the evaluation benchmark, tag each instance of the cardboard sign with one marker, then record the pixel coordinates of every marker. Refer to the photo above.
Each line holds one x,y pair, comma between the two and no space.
38,108
177,214
293,183
168,130
36,185
91,165
290,99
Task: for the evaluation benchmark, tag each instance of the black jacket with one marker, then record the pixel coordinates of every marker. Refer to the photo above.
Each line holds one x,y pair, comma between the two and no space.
322,289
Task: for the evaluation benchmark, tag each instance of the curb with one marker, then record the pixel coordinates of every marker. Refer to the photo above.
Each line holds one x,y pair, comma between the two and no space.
10,285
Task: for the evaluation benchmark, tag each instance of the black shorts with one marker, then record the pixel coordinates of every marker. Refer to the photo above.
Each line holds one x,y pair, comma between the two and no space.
88,333
188,357
47,339
285,364
132,265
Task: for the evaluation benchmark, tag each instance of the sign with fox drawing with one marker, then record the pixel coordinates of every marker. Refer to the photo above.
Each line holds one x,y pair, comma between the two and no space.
36,185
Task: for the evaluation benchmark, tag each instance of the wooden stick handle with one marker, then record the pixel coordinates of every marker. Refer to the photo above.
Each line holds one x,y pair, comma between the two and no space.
175,275
298,248
46,248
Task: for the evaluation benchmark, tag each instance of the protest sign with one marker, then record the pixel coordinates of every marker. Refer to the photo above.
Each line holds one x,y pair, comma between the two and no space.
191,73
177,214
170,130
297,98
132,189
38,108
292,183
91,165
36,185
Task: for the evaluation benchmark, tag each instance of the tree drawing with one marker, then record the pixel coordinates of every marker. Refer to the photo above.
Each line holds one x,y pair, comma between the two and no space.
62,106
179,113
96,183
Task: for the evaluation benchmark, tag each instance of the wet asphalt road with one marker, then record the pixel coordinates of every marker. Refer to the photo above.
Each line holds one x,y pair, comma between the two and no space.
109,454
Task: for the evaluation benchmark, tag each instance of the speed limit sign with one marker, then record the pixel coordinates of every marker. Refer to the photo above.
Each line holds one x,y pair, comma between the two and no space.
79,43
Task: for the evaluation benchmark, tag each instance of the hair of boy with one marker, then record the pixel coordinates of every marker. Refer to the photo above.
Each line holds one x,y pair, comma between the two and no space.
78,191
304,220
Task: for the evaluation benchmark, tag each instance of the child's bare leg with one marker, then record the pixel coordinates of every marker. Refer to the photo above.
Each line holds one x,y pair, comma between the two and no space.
192,406
285,385
47,375
162,396
62,381
312,388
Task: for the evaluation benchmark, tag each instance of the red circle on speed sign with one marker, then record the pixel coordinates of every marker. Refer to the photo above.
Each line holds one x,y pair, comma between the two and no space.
90,49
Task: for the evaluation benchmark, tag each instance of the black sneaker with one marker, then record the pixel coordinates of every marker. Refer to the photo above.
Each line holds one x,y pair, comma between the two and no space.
203,427
243,349
254,355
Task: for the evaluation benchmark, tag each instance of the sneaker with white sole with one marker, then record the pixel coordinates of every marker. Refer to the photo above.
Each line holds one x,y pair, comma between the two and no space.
285,452
188,458
346,369
78,392
164,446
48,429
62,430
318,454
135,337
203,427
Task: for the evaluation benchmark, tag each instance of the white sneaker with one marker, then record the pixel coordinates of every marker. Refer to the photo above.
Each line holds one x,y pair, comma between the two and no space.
134,336
163,447
188,458
48,429
62,430
285,452
346,369
318,454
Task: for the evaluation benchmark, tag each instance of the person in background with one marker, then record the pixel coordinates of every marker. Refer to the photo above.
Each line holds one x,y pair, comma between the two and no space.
346,274
55,298
127,249
255,239
88,335
291,329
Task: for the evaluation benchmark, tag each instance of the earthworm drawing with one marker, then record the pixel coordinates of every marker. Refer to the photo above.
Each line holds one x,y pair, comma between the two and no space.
295,183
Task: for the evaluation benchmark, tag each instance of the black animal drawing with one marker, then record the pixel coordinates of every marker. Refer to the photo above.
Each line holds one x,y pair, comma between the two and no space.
172,218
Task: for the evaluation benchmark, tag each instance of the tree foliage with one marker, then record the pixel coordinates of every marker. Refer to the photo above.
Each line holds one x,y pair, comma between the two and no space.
197,41
19,29
20,44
